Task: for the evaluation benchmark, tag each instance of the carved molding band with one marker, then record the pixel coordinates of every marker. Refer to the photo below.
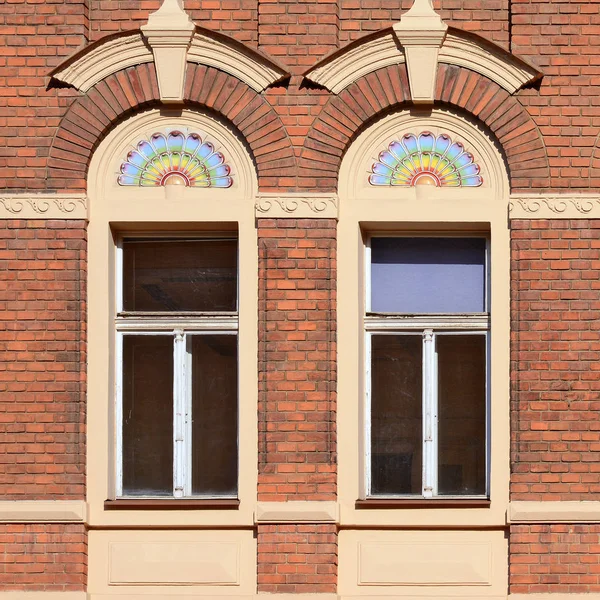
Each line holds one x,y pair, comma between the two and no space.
43,206
554,206
300,206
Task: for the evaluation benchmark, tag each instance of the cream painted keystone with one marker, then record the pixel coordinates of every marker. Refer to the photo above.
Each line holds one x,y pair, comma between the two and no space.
296,512
421,32
169,33
554,512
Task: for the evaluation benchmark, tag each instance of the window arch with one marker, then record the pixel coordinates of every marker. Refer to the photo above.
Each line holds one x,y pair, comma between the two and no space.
144,220
424,217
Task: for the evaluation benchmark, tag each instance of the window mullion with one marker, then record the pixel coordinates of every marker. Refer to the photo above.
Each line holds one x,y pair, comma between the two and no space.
188,416
119,416
179,410
429,416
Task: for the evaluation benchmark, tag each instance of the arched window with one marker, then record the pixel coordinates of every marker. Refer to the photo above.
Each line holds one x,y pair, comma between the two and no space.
172,300
425,336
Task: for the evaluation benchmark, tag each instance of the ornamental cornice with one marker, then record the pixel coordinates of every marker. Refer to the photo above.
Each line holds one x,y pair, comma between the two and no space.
169,40
429,42
554,206
43,206
297,206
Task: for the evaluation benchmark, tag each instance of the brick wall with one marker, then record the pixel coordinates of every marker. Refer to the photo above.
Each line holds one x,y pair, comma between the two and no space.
556,367
562,39
42,359
237,18
490,19
297,559
49,558
554,559
297,401
555,399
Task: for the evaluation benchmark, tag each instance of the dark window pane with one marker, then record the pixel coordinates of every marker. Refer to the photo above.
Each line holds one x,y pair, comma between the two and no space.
180,275
214,415
396,414
427,275
461,414
147,415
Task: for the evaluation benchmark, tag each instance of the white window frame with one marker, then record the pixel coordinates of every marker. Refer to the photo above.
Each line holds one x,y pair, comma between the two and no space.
430,326
181,327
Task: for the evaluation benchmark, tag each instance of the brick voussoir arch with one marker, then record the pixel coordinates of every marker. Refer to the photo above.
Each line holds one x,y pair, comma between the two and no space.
346,114
133,89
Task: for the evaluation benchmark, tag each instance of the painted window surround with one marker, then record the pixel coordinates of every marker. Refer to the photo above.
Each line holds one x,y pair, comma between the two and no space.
368,209
116,209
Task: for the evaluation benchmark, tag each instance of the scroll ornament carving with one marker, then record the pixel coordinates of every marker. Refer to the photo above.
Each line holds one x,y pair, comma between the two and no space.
557,205
47,205
293,205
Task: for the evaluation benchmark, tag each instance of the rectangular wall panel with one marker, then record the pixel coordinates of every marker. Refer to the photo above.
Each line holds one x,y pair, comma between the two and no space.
191,563
439,563
423,563
217,563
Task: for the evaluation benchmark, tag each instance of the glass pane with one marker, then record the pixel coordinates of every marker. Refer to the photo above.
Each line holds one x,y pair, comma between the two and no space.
461,414
214,415
180,275
147,415
396,414
427,275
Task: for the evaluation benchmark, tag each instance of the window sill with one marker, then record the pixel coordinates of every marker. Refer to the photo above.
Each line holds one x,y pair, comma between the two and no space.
172,504
398,503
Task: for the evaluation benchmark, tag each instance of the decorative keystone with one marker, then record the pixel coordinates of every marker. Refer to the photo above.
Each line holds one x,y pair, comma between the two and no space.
421,32
169,33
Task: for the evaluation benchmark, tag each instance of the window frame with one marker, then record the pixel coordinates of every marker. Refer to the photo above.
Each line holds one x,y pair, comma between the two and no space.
429,325
181,326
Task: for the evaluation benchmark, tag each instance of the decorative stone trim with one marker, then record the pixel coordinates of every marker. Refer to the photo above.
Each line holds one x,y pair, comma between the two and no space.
169,33
421,32
554,512
255,71
296,512
350,65
297,206
343,68
554,206
13,595
43,206
553,596
102,59
43,511
486,59
187,596
174,40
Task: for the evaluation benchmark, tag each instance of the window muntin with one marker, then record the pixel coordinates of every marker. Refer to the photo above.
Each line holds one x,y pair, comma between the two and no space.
427,369
177,388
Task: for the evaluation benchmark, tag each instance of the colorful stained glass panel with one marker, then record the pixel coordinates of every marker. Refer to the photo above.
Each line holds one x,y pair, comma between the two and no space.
175,158
425,159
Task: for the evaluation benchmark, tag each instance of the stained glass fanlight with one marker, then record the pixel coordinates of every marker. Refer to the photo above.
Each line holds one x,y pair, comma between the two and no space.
175,158
425,159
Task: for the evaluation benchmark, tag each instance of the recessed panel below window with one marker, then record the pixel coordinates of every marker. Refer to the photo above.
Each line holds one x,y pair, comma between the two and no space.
147,415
